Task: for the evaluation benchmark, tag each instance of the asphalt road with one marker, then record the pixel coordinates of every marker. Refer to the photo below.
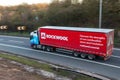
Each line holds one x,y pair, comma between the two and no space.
21,46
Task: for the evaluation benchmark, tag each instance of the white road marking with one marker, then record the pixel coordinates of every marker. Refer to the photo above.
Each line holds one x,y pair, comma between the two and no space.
1,39
116,49
116,56
14,41
114,66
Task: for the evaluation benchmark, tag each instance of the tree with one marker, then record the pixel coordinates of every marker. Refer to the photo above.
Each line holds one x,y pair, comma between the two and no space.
111,13
90,9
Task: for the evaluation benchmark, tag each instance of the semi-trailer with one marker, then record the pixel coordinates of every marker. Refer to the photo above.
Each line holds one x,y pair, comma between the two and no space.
84,42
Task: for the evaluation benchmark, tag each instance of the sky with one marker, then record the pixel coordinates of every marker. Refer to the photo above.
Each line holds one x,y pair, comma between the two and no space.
17,2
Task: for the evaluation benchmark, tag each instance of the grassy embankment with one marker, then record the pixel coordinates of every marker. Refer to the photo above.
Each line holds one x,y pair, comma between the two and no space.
46,67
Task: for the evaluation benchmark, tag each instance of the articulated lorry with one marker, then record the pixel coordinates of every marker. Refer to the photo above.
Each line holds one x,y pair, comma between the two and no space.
84,42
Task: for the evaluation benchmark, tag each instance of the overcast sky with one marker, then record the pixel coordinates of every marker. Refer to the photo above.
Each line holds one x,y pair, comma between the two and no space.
16,2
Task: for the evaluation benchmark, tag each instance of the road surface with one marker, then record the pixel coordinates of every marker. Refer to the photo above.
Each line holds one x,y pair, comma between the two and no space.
21,46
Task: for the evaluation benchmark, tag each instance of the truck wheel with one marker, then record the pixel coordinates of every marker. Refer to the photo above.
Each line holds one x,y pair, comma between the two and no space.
76,54
34,47
44,48
91,56
83,55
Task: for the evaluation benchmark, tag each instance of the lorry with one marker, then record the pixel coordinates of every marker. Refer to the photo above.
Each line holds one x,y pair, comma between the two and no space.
84,42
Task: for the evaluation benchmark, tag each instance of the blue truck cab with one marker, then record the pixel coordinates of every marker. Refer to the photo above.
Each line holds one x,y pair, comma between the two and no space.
34,39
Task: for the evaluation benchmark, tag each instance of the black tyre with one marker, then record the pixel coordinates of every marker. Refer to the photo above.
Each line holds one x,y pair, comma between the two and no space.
43,47
76,54
34,46
91,56
48,49
54,49
83,55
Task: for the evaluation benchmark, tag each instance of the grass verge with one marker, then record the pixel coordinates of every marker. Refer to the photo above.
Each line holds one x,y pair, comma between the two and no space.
46,67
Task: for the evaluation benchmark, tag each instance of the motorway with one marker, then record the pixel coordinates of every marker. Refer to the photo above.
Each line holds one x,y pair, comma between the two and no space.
21,46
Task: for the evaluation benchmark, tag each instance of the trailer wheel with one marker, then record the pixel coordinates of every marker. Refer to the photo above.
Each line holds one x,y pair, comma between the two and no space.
83,55
53,49
91,56
49,49
76,54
